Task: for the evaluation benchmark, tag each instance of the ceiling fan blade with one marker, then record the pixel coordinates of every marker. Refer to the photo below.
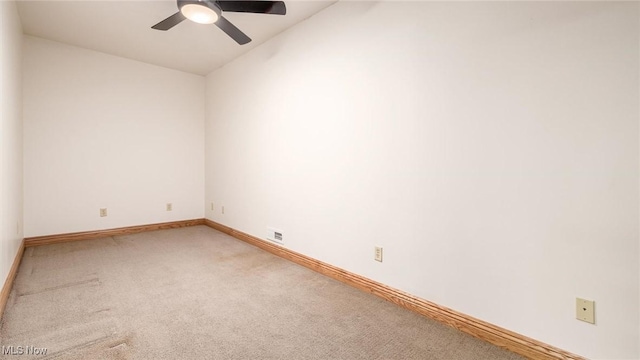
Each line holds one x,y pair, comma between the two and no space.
232,31
259,7
169,22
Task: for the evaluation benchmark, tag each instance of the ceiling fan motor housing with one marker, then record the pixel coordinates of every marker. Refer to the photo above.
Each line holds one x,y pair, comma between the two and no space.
210,4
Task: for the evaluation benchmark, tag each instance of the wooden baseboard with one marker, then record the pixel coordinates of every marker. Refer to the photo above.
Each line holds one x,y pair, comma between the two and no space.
85,235
496,335
8,284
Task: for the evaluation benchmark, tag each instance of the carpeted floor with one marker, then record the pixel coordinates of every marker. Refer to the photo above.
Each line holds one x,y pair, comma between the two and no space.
195,293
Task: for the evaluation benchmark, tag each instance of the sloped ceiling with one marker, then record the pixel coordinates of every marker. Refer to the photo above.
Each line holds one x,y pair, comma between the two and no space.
123,28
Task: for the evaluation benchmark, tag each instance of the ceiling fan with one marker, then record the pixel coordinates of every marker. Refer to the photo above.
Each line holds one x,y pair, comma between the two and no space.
210,12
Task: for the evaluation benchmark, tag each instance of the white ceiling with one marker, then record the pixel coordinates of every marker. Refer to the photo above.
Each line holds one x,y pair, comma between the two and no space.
123,28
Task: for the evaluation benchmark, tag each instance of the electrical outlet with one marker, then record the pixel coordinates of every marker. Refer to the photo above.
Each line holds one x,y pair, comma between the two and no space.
169,207
17,227
223,209
211,206
378,254
103,212
585,310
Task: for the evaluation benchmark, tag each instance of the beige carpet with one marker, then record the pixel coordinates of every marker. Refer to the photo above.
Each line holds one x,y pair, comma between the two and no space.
195,293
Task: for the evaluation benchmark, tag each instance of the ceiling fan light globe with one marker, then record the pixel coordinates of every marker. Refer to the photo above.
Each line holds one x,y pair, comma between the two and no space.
199,13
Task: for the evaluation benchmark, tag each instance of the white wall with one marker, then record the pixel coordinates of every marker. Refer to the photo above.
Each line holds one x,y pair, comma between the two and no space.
490,148
10,136
103,131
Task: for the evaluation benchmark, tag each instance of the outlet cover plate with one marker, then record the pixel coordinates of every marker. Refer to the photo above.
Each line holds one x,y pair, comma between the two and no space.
585,310
377,256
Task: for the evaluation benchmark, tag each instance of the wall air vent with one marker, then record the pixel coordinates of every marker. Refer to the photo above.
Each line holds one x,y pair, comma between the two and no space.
275,235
